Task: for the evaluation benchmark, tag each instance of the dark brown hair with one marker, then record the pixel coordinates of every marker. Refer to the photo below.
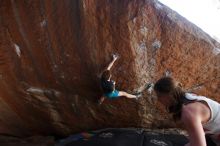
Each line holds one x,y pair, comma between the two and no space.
168,86
106,75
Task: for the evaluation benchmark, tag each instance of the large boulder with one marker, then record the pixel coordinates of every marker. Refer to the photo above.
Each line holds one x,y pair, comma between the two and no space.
52,52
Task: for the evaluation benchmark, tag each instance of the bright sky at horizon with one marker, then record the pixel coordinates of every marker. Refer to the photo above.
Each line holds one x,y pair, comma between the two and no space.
203,13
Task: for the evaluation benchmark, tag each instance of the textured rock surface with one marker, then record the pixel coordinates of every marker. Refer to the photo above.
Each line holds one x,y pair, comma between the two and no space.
51,53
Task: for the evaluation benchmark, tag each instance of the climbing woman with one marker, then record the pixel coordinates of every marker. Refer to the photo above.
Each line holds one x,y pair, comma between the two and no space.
108,85
200,115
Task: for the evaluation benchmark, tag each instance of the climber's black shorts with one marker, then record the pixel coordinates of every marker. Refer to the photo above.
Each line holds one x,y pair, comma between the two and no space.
209,141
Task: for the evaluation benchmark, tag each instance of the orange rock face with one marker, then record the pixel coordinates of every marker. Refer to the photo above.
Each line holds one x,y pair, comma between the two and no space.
52,52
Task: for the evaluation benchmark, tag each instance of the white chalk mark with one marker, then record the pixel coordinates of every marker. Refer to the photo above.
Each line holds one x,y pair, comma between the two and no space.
43,23
144,30
55,115
216,51
62,76
36,91
167,73
84,5
67,55
172,16
150,88
152,61
195,87
43,92
156,44
134,20
158,6
142,46
17,50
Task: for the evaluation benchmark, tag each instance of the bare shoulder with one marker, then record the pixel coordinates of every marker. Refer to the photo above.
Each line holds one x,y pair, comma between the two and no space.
196,110
190,112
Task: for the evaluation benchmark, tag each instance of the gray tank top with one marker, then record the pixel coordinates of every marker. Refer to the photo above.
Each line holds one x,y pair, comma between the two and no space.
213,125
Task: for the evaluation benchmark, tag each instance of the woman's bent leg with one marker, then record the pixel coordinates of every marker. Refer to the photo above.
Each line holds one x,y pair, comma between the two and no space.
122,93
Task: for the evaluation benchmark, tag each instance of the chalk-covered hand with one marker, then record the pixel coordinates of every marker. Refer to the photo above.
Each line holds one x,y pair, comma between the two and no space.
115,56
